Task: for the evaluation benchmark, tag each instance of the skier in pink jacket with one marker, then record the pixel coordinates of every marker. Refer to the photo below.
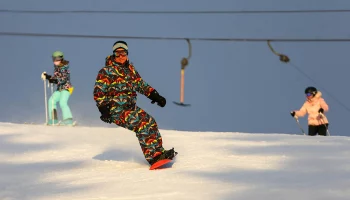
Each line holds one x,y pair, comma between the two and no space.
315,106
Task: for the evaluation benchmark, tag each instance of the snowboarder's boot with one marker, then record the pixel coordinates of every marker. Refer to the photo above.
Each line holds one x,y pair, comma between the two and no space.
67,122
53,122
166,154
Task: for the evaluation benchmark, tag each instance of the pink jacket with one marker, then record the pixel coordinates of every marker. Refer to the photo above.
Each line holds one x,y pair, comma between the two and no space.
311,107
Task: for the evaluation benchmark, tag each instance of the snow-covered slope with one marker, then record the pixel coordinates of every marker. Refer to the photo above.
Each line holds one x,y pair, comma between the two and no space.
80,163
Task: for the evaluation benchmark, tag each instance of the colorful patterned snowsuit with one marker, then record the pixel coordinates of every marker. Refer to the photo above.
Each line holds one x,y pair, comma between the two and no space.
117,85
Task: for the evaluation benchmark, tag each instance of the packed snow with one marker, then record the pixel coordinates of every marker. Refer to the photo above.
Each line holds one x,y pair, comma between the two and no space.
90,163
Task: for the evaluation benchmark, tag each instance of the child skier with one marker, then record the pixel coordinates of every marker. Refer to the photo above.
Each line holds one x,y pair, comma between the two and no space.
61,77
115,95
315,106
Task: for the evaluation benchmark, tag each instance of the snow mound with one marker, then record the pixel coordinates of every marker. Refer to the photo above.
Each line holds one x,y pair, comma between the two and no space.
81,163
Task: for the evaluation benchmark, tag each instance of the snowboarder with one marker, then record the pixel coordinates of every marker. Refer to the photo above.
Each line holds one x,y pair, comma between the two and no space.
61,77
115,95
315,106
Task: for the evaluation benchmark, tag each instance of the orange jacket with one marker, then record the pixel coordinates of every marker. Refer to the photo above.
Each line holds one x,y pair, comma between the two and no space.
311,107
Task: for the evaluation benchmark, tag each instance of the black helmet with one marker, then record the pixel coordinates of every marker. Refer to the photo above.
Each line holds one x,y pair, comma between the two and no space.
311,91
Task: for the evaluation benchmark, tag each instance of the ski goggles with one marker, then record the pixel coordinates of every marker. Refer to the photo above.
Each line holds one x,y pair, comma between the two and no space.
120,53
309,94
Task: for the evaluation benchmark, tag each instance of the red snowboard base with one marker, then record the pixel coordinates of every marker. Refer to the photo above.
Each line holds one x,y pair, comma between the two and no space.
159,164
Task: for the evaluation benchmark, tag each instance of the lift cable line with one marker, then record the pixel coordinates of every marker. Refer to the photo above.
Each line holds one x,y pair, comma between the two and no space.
283,58
313,39
175,12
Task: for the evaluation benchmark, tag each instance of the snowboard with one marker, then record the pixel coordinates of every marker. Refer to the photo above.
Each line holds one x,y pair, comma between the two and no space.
160,163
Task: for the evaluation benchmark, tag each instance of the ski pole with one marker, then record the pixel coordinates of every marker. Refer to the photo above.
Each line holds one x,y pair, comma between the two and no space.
45,101
328,134
322,115
52,112
301,128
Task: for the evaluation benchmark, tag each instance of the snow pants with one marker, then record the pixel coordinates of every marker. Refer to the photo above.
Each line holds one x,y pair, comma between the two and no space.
145,127
320,129
62,98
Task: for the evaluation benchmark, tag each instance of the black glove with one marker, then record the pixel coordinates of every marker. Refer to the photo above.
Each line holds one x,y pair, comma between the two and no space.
320,110
292,113
53,81
155,97
49,77
105,111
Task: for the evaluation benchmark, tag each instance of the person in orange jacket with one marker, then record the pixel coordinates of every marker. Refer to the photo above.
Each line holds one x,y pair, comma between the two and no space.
316,107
